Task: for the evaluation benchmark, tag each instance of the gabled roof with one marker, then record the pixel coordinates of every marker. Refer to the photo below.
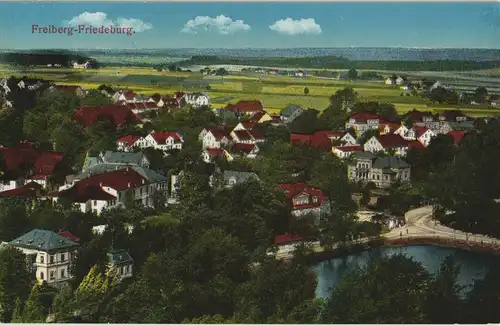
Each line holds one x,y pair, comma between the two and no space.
44,240
389,162
457,135
246,106
116,114
119,180
18,156
256,116
129,95
123,157
452,115
415,144
140,106
294,189
289,110
129,140
243,148
392,141
119,256
28,190
286,238
47,162
70,236
214,151
356,148
218,133
243,135
150,175
494,98
161,136
363,117
420,130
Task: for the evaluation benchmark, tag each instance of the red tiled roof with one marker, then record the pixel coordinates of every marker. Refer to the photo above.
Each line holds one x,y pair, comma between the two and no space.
333,133
242,134
415,144
245,148
420,130
129,95
300,138
117,114
294,189
319,139
218,133
214,151
362,117
29,190
457,135
161,136
129,140
119,180
249,125
494,97
356,148
257,116
286,238
81,193
70,236
257,134
415,115
47,162
178,95
392,141
15,157
246,106
140,105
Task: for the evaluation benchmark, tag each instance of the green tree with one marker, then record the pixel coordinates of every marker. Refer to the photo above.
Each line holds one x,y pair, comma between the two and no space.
388,290
483,300
480,94
306,91
15,281
13,219
17,315
33,311
62,307
352,74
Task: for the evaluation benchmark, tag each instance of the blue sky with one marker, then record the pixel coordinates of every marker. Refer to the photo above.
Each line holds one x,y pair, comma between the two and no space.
264,25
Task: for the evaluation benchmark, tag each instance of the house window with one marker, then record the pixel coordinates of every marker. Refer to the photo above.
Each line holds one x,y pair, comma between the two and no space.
386,177
123,270
42,276
52,258
95,202
315,199
42,259
128,269
52,275
63,257
63,273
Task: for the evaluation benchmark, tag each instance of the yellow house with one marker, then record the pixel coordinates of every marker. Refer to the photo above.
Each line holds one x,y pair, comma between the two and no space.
261,117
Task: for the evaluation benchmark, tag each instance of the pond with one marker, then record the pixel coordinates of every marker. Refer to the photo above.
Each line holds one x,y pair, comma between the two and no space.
473,264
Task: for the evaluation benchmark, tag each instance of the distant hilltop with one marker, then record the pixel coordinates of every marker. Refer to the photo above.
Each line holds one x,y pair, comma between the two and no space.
62,58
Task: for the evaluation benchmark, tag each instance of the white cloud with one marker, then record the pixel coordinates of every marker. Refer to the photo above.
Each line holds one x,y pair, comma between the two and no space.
220,24
97,19
137,24
296,27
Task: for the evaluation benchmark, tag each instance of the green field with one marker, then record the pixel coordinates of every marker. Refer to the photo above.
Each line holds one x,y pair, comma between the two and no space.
275,92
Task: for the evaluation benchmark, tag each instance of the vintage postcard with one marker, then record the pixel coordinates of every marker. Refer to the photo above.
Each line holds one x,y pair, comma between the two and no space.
250,162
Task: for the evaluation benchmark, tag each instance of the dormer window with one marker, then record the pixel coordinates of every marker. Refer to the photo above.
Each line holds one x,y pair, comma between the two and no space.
315,199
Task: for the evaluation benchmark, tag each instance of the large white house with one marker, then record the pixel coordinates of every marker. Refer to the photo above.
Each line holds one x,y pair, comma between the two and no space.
49,254
121,263
196,99
214,138
165,140
114,189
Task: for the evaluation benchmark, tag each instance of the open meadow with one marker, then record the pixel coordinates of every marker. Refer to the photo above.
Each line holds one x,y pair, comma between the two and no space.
275,92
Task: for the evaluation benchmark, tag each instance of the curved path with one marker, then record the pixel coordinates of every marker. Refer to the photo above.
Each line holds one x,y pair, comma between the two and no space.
419,224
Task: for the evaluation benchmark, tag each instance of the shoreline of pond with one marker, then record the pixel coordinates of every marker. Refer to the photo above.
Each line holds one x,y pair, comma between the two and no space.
355,248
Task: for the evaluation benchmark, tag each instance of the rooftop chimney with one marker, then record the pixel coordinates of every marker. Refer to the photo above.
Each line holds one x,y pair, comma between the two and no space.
129,184
100,185
143,181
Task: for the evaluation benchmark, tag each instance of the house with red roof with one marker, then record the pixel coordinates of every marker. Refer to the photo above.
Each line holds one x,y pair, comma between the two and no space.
494,100
457,136
214,138
127,143
45,166
263,116
111,189
70,236
361,122
343,152
209,154
420,133
287,243
387,143
70,89
125,96
242,150
29,190
245,107
383,171
117,114
306,200
323,139
165,140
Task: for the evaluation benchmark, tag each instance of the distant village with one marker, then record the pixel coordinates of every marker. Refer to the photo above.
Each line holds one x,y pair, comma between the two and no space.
109,178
